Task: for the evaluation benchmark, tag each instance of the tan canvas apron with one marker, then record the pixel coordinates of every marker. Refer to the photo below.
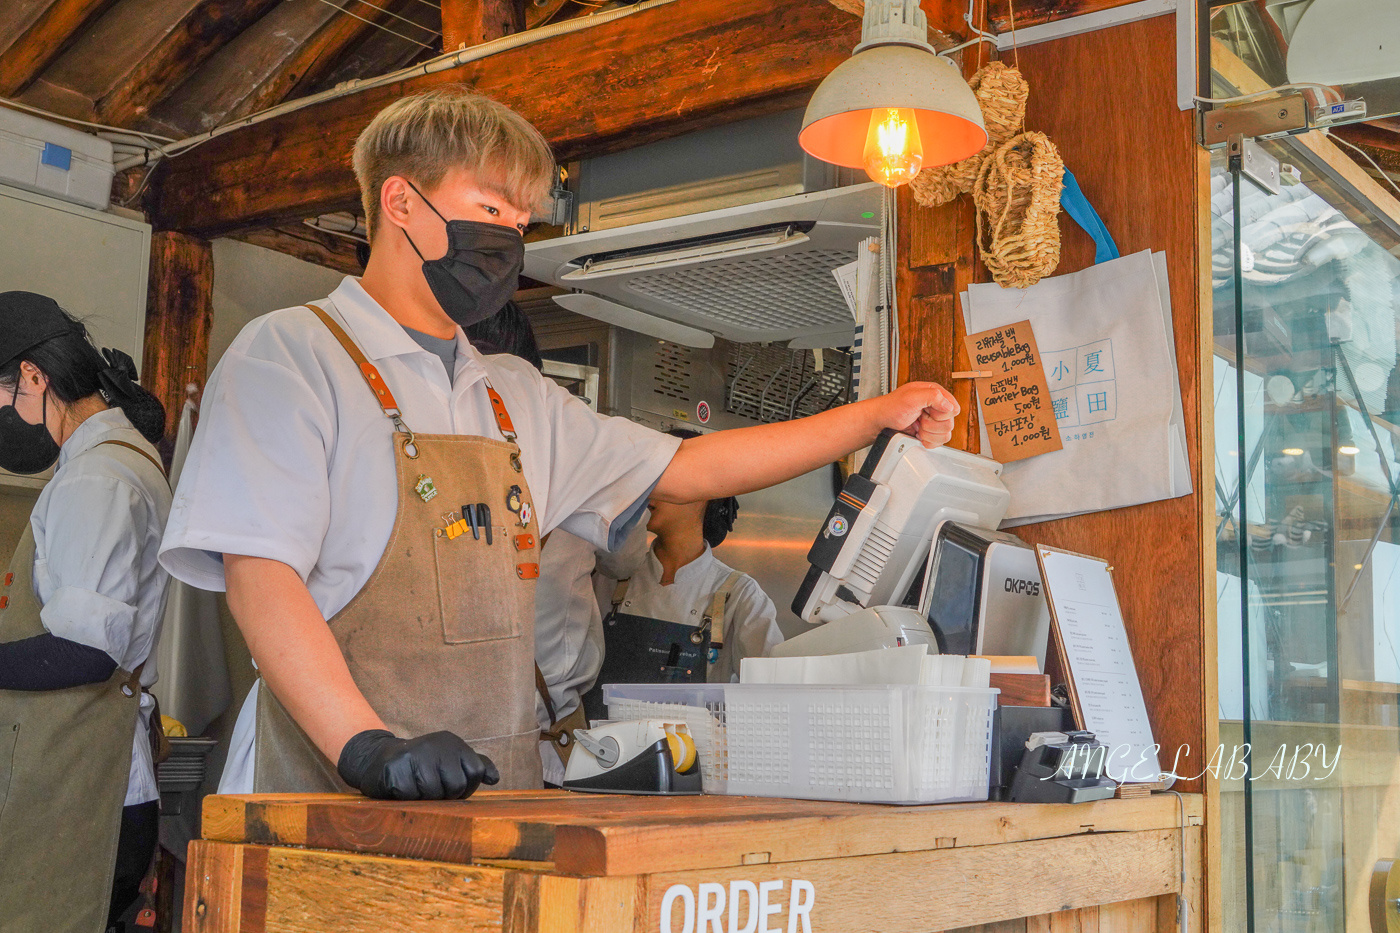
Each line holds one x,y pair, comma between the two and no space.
441,636
65,761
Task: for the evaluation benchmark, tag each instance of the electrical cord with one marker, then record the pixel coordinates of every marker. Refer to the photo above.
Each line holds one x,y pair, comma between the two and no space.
1299,86
1384,174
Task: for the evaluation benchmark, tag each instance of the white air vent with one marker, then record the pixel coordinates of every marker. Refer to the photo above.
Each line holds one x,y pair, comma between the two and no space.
755,273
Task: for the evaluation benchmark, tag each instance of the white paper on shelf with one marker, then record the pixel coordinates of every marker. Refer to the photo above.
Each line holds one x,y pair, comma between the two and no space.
1097,654
882,666
1105,336
846,281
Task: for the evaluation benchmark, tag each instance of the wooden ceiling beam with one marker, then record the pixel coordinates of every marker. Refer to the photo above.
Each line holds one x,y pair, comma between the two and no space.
647,76
308,245
206,28
466,23
46,38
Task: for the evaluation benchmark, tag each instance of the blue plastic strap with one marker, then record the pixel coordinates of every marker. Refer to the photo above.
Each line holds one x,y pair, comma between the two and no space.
1082,212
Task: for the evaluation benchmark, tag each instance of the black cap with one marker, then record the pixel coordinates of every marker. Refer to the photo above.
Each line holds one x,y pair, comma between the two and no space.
27,320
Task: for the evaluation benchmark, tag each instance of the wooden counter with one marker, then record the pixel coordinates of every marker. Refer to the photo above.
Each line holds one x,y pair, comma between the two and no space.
547,861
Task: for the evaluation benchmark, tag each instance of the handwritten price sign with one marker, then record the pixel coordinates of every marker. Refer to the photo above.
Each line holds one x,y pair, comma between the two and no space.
1014,399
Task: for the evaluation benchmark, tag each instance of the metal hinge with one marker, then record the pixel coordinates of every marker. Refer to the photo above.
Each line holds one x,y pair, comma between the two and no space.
1262,119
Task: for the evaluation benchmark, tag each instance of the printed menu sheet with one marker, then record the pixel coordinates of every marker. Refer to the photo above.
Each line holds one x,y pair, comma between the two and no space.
1088,627
1014,396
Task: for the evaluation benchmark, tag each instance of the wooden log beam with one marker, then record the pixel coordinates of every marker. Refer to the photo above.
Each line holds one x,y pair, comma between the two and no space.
471,22
1003,14
179,315
308,245
655,74
43,41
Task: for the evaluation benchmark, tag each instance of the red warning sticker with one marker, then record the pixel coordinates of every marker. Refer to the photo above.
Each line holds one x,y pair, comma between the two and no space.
702,412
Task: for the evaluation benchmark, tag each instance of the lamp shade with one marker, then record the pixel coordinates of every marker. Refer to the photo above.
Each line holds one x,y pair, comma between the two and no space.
949,118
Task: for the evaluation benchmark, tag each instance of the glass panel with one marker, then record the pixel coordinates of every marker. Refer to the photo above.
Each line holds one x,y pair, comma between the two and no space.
1338,43
1318,550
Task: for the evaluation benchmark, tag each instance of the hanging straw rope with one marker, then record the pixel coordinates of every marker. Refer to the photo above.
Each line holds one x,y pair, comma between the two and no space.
1001,91
1018,204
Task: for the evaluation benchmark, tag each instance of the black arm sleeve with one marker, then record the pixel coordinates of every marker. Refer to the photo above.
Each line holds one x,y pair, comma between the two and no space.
47,662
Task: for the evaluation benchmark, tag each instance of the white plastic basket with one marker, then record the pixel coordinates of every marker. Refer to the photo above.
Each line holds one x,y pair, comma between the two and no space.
877,744
699,706
880,744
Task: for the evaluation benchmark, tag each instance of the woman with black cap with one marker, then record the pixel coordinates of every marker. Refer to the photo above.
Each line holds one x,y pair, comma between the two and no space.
80,612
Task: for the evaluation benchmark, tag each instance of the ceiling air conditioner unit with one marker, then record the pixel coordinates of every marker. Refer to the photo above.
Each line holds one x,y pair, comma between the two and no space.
731,233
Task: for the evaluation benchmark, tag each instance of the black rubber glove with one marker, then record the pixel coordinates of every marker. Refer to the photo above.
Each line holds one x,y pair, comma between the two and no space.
439,766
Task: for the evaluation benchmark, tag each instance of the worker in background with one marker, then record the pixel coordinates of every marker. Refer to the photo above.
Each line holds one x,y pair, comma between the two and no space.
80,613
568,621
372,491
683,615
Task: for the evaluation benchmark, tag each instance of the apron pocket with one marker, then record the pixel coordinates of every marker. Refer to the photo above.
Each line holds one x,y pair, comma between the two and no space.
478,593
9,736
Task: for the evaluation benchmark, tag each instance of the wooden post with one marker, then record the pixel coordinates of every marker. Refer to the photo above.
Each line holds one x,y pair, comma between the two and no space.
179,314
471,22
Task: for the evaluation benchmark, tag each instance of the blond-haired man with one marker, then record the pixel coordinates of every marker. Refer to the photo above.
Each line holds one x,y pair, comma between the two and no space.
372,491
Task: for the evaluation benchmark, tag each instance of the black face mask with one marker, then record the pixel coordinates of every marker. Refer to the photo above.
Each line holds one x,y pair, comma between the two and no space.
25,448
480,272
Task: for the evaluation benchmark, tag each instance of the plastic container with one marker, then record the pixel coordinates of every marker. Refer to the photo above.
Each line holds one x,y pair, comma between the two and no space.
38,155
699,706
878,744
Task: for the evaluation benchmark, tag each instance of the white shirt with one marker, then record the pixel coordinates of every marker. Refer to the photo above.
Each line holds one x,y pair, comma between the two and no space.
293,460
569,624
97,531
750,618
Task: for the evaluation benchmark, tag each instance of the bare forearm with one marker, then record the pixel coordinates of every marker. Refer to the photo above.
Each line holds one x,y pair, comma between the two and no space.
730,463
295,651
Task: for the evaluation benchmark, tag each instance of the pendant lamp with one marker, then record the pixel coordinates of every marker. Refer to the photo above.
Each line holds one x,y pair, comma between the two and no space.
894,107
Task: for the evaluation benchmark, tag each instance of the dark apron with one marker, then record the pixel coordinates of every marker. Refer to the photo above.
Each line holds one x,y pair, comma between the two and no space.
642,650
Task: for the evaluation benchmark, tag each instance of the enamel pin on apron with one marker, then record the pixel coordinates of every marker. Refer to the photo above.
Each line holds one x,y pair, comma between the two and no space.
425,488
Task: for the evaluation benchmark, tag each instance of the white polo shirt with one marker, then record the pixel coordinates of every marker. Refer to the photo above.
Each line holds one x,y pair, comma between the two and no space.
97,530
293,459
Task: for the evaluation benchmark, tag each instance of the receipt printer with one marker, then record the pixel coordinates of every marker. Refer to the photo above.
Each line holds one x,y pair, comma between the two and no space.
1062,767
877,533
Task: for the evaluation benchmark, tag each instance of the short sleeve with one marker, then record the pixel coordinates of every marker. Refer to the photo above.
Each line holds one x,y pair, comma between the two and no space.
94,529
256,481
600,468
754,617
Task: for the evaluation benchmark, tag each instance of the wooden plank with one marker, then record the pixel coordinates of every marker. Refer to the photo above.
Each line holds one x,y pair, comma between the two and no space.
1022,689
157,69
620,83
471,22
252,889
237,74
1083,920
1139,916
621,836
888,893
179,316
43,41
